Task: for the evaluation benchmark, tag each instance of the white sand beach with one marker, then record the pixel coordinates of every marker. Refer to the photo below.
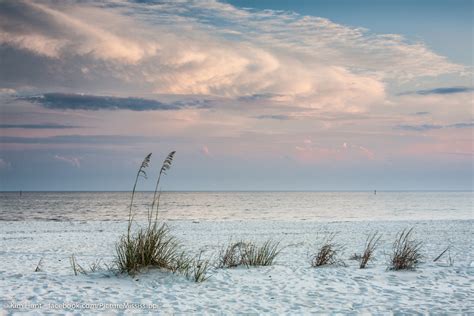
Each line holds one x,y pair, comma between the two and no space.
290,286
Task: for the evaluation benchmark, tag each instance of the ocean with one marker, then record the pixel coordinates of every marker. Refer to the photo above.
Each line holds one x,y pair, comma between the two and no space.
291,206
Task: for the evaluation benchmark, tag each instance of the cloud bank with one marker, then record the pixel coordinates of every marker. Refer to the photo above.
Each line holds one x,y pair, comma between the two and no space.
441,91
427,127
39,126
202,48
68,101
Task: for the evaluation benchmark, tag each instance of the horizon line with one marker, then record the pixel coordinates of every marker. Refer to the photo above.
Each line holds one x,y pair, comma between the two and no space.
232,191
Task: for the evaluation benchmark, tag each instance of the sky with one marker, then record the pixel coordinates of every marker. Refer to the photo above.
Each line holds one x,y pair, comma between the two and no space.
252,95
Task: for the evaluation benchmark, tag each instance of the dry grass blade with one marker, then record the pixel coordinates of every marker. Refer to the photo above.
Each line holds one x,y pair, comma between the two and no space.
370,246
328,253
441,254
76,267
406,254
96,266
39,266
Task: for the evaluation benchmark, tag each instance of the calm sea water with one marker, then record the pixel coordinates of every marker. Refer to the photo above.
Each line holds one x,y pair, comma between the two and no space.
319,206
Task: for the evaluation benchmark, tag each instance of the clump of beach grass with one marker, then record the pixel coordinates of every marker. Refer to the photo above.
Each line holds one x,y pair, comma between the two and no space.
148,247
370,245
197,269
406,251
261,255
153,246
230,256
328,253
248,254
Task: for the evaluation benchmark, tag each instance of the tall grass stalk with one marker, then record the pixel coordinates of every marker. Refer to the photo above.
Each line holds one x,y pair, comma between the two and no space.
153,245
141,172
76,267
39,266
157,194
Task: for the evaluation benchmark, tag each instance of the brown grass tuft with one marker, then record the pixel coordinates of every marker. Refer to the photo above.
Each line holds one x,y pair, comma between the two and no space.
248,254
328,253
370,246
406,253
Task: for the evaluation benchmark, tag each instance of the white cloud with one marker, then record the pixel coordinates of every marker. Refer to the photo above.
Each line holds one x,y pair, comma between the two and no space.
73,161
212,48
7,91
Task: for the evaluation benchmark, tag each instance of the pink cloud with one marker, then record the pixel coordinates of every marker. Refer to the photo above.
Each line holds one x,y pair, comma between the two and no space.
205,151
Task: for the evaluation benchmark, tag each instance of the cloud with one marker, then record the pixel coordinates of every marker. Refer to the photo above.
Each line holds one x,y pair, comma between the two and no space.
7,91
205,151
94,103
74,161
427,127
273,117
261,96
39,126
45,30
418,128
78,139
443,90
204,48
462,125
4,164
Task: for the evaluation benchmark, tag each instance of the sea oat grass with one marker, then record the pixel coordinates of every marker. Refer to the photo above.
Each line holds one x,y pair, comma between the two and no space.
198,269
406,251
76,267
153,246
261,255
370,245
328,253
230,256
248,254
150,247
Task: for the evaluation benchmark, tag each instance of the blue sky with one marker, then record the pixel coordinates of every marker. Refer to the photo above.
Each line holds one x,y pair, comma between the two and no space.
445,26
253,95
